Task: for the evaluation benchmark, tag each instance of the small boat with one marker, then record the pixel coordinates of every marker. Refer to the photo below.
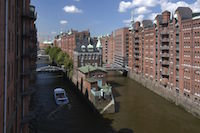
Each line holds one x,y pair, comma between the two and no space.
60,96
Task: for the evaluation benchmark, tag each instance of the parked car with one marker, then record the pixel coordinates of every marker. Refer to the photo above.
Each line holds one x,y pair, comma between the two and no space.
60,96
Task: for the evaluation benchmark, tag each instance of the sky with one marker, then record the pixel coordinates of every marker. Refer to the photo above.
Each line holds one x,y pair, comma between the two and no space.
101,17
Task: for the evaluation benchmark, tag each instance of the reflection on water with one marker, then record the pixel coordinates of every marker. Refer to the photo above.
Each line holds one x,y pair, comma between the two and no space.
145,112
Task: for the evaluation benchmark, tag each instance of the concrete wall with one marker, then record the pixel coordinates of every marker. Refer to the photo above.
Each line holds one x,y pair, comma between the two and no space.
169,94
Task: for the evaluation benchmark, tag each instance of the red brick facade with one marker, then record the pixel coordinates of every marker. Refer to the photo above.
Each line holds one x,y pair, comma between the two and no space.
68,41
121,46
18,66
108,49
85,85
168,50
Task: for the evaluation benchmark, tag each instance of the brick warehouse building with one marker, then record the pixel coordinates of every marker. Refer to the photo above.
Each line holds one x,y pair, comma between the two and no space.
169,50
18,55
108,47
69,41
121,46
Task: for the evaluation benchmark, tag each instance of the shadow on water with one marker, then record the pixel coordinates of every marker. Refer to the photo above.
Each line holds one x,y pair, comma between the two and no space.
125,130
81,117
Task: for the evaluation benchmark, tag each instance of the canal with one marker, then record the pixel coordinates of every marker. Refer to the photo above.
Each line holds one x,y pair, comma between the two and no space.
138,109
142,111
51,118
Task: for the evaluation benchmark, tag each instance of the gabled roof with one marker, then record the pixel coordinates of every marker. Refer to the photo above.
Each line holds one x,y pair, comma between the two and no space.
159,18
147,23
85,42
184,12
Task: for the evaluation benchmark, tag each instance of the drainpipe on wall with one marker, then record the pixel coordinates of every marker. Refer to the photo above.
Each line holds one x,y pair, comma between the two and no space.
5,71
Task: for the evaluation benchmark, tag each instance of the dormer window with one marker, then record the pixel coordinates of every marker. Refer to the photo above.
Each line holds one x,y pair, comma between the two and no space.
90,48
83,48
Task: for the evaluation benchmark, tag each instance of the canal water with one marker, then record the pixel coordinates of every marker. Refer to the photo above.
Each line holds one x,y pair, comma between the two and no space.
79,117
142,111
138,109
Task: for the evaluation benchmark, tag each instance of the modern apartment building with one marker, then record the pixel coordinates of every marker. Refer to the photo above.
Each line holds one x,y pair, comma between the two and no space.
121,46
18,37
167,51
107,51
70,40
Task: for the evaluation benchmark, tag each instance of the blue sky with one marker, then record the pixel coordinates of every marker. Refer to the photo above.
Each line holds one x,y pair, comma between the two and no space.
99,16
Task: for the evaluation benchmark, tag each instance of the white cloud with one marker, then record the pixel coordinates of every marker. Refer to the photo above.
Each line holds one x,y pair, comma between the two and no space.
142,10
77,0
72,9
152,16
139,18
63,22
124,6
147,3
127,22
172,6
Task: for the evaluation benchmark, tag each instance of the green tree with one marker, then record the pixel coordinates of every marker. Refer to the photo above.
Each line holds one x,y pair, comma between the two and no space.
60,58
54,52
47,49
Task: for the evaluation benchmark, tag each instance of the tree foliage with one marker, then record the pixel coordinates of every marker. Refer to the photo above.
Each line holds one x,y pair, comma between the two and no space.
60,58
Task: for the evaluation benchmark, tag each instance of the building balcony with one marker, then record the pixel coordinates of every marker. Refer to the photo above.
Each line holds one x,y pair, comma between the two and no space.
136,41
165,47
165,63
136,46
165,55
137,51
164,32
165,39
165,73
137,56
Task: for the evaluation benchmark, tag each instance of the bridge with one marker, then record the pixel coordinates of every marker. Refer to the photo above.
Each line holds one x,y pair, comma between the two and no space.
114,67
50,69
41,56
